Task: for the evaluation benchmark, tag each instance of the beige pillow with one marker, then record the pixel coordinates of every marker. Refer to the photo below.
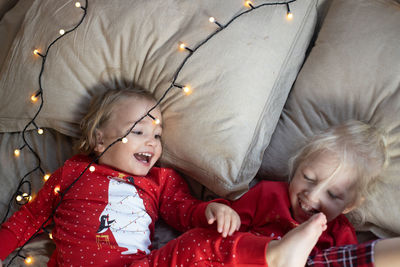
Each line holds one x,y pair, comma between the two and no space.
351,73
240,77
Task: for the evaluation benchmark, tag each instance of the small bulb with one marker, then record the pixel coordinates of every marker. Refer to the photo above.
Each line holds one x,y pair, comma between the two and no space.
92,168
46,177
182,46
78,4
36,52
289,16
62,31
28,260
124,140
57,189
211,19
30,198
17,152
187,90
34,98
19,198
25,195
40,131
156,121
50,235
249,4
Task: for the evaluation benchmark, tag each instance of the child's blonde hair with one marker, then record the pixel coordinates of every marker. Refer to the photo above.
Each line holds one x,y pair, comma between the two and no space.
357,145
100,109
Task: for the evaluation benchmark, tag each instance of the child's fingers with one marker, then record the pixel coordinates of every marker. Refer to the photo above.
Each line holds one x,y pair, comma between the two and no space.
210,216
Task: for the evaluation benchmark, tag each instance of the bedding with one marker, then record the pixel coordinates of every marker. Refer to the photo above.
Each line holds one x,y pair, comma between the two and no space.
351,73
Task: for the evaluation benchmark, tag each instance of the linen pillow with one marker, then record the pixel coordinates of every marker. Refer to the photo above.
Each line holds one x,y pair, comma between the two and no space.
352,72
240,78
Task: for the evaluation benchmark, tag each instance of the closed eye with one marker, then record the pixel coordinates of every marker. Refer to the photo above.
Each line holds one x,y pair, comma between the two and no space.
137,132
332,195
308,178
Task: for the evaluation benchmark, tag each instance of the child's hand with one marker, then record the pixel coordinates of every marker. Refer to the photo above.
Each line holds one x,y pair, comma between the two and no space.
228,221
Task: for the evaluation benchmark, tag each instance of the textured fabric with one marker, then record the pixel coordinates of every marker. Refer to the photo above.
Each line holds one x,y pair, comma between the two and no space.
361,255
213,135
105,213
271,217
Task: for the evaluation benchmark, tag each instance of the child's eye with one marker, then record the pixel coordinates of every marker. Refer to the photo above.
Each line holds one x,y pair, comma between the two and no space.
308,178
137,132
331,195
158,136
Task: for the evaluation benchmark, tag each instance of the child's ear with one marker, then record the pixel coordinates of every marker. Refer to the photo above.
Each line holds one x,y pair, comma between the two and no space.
353,206
99,146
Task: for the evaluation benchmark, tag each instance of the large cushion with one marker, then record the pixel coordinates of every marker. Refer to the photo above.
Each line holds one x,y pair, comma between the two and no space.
351,73
240,77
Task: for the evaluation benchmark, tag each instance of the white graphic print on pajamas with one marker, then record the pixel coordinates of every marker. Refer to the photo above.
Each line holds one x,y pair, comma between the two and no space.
126,217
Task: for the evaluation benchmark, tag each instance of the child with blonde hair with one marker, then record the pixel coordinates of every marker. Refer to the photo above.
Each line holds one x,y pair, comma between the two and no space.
105,215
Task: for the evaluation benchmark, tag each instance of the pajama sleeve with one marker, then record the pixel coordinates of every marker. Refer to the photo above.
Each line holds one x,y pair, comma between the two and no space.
178,207
29,218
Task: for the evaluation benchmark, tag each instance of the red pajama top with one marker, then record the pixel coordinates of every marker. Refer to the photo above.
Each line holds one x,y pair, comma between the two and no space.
107,217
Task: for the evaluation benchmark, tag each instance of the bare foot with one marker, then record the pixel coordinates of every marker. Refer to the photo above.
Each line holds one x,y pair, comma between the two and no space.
293,249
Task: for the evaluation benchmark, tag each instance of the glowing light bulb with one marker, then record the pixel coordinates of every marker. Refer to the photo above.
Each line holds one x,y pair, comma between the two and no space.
29,260
78,4
24,195
124,140
50,235
187,90
29,198
156,121
289,16
62,31
57,189
36,52
34,98
46,177
211,19
92,168
40,131
19,198
182,46
249,4
17,152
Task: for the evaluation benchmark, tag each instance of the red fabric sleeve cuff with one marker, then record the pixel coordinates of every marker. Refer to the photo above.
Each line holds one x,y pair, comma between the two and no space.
8,243
251,250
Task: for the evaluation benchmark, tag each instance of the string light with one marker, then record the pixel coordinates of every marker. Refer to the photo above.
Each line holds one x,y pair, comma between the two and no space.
289,14
155,120
17,152
46,177
78,4
182,46
249,4
39,130
212,20
35,96
62,31
57,189
92,168
124,140
28,260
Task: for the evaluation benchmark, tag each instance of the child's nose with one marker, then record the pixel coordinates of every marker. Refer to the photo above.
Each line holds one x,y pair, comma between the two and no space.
313,195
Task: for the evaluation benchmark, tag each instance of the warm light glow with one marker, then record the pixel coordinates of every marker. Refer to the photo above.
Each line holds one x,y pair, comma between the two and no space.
124,140
57,189
156,121
77,4
30,198
187,90
249,4
29,260
17,152
36,52
211,19
92,168
19,198
24,195
62,32
46,177
182,46
289,16
34,98
50,235
40,131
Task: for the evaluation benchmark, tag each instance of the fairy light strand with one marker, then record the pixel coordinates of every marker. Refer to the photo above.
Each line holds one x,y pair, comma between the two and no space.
123,139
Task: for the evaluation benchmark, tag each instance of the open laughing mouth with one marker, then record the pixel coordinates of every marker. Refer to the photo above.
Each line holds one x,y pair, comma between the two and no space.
143,157
307,209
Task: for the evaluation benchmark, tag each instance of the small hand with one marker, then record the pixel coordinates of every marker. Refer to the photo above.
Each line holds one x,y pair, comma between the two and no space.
228,221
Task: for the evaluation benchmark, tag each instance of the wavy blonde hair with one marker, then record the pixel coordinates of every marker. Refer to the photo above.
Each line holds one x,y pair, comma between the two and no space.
356,144
100,110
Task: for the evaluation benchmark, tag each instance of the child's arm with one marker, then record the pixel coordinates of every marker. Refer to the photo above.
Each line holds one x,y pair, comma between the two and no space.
179,208
26,221
228,221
